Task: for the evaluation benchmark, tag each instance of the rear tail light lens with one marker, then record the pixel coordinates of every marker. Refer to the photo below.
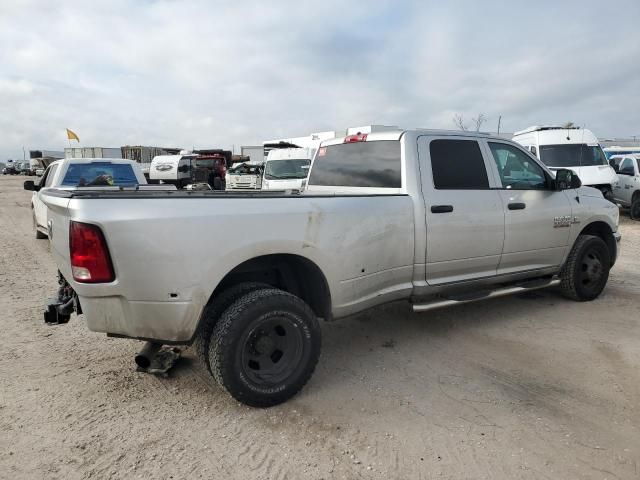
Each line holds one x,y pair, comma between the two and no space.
360,137
90,259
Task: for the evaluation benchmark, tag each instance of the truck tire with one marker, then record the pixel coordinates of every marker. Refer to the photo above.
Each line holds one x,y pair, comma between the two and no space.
265,347
634,212
586,271
39,234
212,314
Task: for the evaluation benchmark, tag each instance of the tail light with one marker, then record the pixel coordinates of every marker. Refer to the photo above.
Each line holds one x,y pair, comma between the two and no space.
90,259
359,137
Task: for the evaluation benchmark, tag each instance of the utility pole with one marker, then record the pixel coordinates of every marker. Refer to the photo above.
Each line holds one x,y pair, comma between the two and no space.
24,155
499,119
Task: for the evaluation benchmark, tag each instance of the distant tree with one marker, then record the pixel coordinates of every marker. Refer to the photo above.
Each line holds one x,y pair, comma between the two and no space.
568,125
458,121
479,120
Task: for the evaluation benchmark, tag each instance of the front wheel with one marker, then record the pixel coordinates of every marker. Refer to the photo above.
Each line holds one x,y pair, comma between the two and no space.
586,271
634,213
265,347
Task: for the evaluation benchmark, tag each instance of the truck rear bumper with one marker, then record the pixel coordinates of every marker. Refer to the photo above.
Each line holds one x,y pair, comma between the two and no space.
165,322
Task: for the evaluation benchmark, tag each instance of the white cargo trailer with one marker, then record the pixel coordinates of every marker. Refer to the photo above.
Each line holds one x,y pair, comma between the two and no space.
255,153
92,152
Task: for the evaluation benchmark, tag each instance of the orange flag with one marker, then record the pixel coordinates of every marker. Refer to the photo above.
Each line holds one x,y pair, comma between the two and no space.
72,136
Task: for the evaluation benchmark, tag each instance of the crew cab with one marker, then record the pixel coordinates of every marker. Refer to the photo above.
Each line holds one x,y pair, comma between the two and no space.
436,218
626,191
79,172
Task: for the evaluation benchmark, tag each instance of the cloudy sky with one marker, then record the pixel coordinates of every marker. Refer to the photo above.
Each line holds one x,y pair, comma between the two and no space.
216,74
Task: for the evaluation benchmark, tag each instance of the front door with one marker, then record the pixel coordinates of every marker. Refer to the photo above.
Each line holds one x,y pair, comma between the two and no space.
627,181
464,216
537,217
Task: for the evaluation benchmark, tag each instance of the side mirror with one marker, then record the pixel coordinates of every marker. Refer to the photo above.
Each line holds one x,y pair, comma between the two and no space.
567,179
30,185
615,166
627,171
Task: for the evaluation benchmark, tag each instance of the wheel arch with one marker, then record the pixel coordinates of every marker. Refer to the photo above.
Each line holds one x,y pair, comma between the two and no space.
602,230
289,272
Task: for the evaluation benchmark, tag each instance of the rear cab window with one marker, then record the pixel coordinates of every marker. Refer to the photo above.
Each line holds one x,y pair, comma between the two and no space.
99,174
371,164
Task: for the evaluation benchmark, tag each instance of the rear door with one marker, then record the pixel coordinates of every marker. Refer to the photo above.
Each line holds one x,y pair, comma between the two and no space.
537,217
464,215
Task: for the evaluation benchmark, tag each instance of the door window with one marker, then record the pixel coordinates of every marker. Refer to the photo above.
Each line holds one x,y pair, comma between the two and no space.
458,165
627,163
517,170
52,173
44,177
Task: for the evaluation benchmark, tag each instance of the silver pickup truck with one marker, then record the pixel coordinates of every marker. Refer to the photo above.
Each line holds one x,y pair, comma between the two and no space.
437,218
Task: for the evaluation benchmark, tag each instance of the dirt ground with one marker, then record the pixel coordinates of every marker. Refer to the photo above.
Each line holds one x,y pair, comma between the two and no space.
525,387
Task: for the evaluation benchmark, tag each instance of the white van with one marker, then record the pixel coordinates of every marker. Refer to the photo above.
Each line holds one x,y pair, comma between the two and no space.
287,168
172,169
574,148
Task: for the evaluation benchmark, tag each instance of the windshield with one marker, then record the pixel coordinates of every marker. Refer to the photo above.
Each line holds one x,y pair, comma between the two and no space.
245,169
99,174
207,163
290,168
576,155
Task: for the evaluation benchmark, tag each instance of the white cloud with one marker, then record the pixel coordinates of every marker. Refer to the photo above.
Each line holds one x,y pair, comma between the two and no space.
199,73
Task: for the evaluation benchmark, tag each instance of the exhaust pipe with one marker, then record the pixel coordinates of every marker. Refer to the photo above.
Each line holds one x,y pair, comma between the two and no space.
144,356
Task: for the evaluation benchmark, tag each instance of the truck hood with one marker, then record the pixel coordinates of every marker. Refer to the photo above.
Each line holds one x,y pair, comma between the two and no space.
594,175
586,191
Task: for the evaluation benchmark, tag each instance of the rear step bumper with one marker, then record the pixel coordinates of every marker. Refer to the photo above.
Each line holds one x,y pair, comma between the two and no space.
484,295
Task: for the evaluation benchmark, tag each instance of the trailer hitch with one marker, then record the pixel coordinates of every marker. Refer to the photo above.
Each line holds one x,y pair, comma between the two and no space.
58,310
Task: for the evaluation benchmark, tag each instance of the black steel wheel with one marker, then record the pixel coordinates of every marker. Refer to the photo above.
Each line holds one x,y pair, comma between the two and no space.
586,271
265,347
272,350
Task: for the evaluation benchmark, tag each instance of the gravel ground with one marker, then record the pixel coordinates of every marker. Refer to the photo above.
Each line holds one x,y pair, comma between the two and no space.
526,387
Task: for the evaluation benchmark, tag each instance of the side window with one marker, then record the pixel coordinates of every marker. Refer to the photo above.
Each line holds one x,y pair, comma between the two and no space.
534,150
626,163
458,165
517,170
44,177
52,173
637,165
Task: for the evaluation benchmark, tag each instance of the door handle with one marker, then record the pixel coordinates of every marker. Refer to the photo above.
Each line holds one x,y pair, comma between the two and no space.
517,206
441,208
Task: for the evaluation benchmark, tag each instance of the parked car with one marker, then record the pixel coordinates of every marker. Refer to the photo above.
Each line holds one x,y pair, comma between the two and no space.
245,176
287,168
626,191
74,173
574,148
10,170
438,218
